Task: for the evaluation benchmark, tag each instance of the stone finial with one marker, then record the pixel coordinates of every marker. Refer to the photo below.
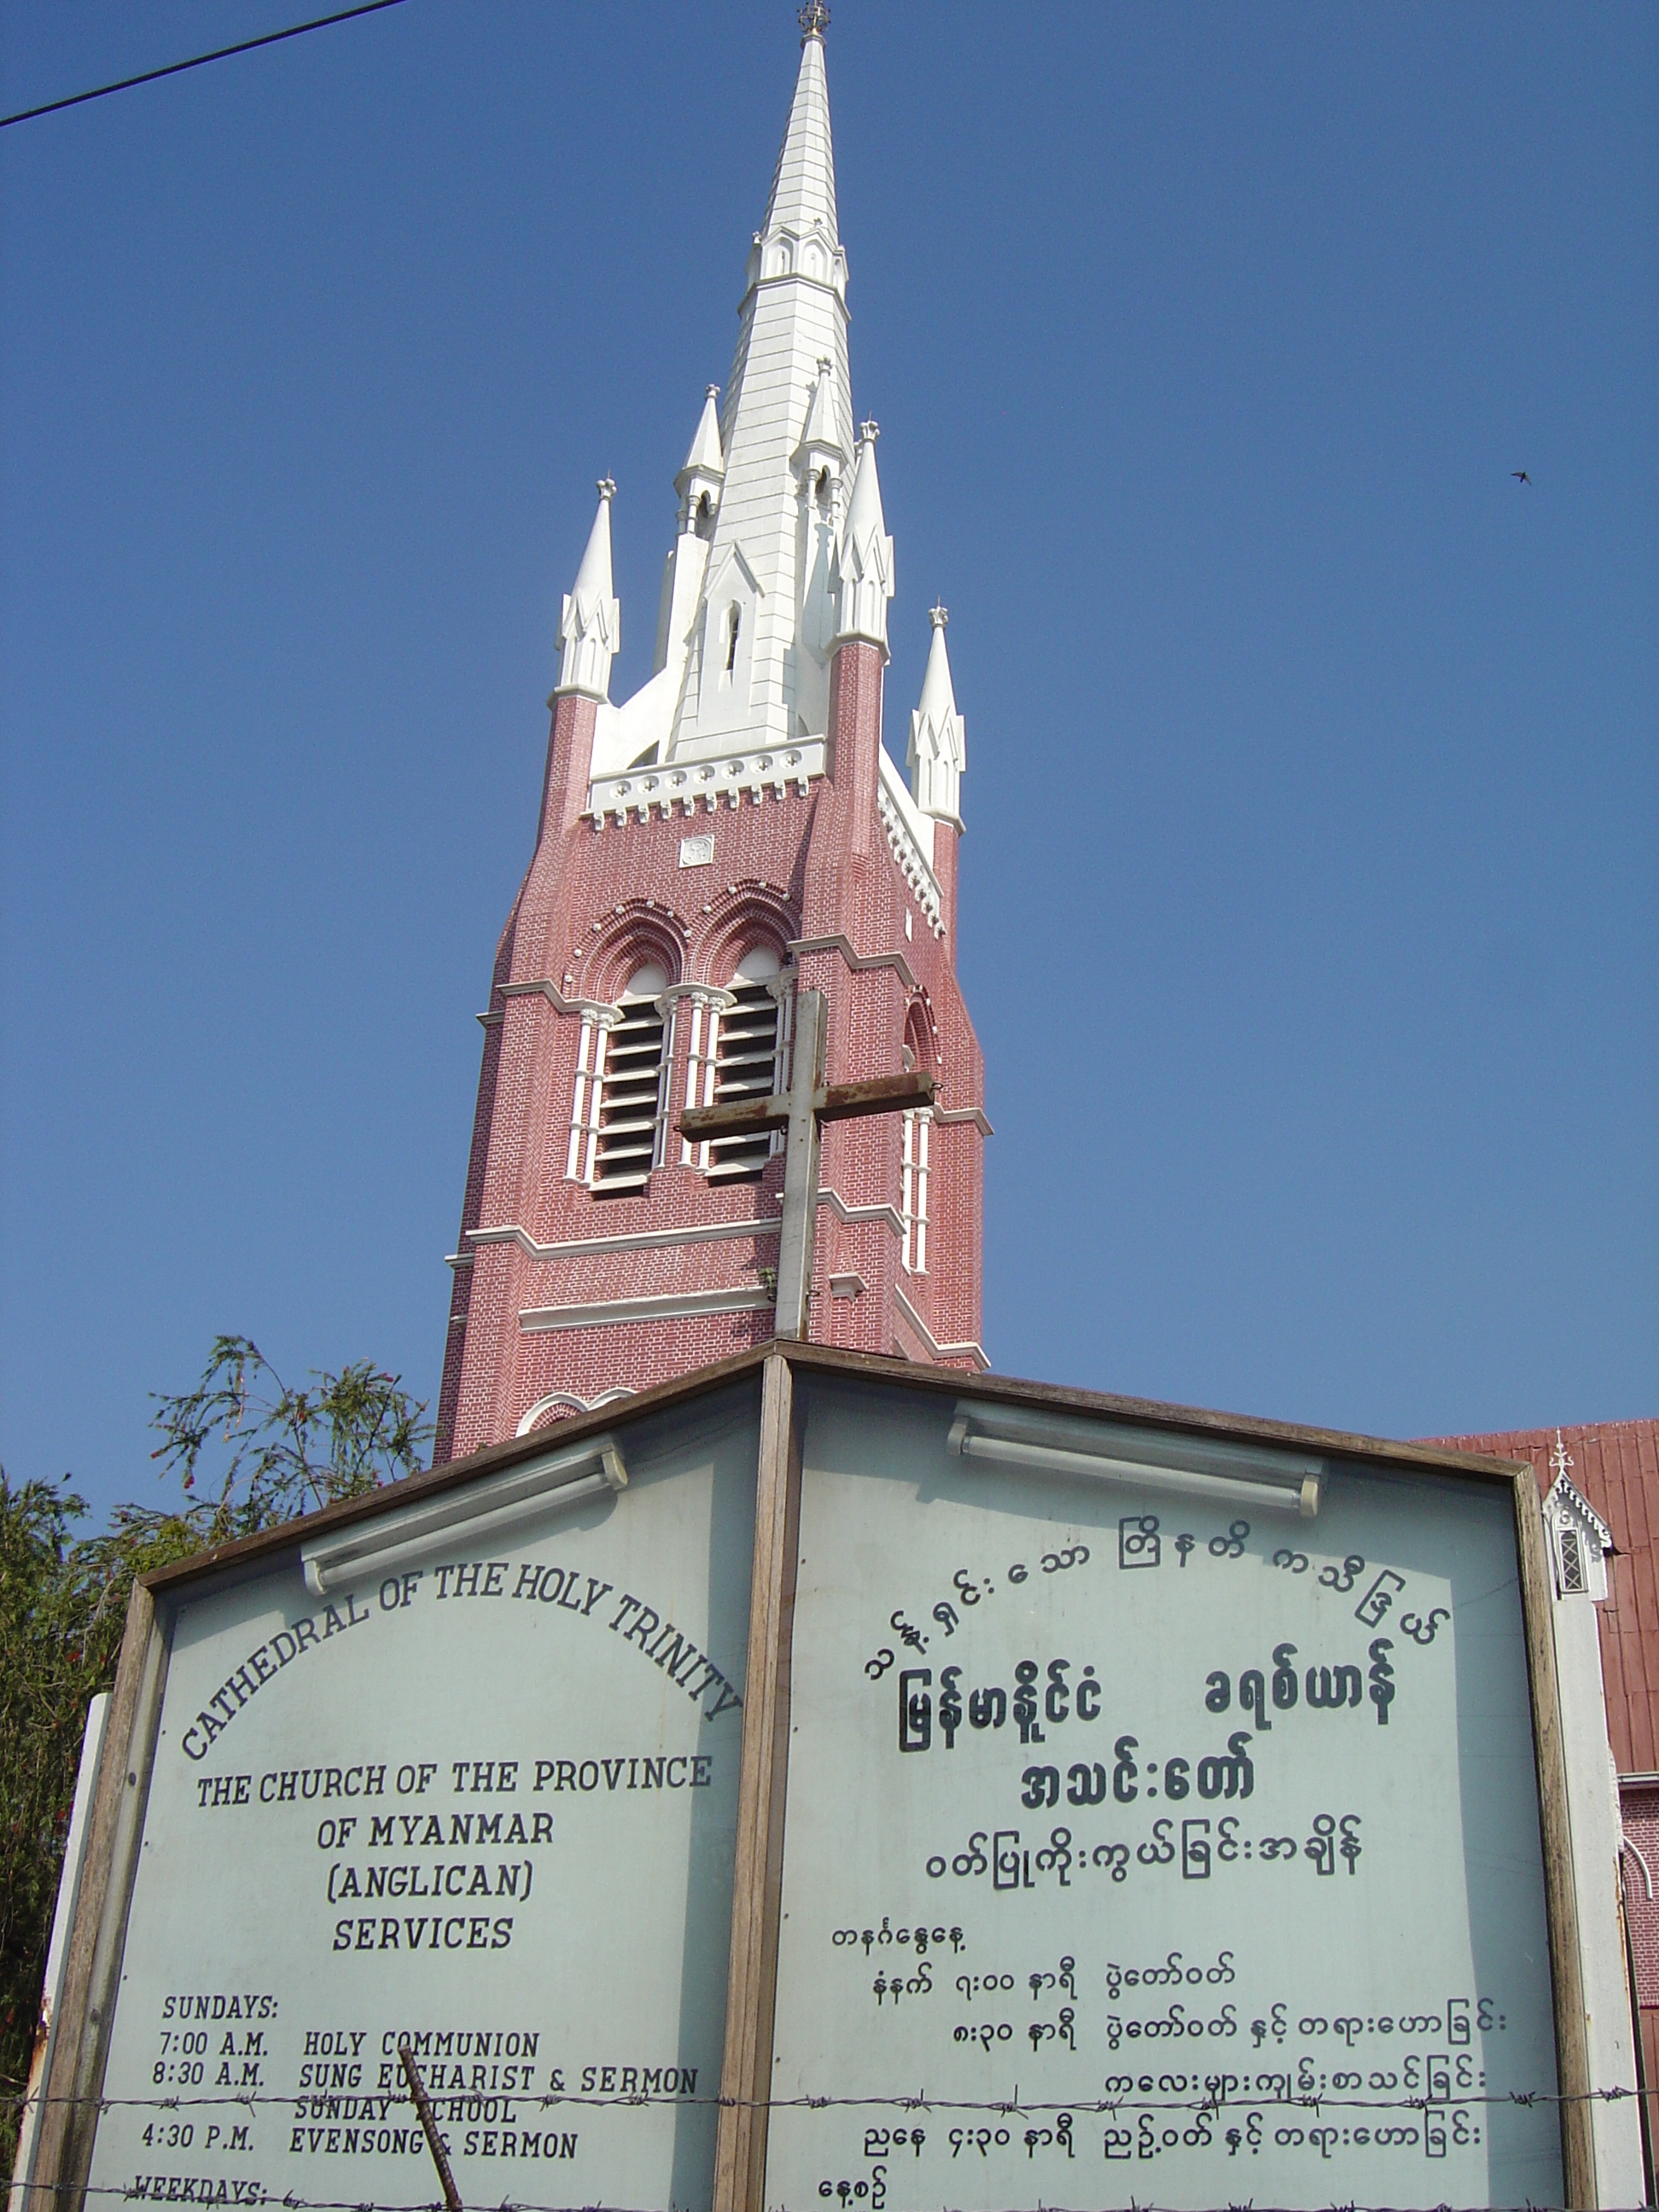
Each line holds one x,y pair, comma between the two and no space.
938,617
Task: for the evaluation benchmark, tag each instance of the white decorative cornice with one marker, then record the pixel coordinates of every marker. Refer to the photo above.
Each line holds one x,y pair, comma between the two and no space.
896,809
1566,1498
685,786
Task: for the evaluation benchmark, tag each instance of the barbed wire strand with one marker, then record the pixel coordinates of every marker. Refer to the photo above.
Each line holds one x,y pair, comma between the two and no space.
316,2102
291,2203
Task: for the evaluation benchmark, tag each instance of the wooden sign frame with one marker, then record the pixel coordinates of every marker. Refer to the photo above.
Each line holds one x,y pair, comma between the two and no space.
92,1973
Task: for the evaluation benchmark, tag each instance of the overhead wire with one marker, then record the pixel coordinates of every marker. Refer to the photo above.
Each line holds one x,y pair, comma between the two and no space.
197,61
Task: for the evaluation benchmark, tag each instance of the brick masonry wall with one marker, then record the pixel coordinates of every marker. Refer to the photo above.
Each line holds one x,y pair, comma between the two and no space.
596,900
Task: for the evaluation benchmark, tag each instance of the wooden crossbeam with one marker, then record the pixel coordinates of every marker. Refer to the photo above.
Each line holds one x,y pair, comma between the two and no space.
835,1102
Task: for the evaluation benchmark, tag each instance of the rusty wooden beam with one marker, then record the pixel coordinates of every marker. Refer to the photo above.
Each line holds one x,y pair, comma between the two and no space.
840,1102
882,1094
743,1117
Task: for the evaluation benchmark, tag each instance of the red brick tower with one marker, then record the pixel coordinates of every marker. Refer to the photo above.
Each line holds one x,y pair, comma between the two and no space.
734,833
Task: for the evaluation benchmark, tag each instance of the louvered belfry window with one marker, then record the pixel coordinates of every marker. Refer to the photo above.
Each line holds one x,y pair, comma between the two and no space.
747,1065
630,1132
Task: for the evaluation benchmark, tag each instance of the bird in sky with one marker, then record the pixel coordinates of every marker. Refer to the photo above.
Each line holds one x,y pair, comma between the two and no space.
1521,476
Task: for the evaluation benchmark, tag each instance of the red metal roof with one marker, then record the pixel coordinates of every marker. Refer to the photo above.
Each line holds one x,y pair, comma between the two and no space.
1615,1465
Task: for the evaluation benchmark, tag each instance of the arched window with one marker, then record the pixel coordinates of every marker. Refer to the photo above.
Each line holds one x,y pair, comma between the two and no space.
703,520
628,1141
733,624
749,1037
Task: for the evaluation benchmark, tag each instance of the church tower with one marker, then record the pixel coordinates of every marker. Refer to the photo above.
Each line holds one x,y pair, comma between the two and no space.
732,836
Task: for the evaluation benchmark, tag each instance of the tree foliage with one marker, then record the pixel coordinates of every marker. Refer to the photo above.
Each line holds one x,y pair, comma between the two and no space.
241,1451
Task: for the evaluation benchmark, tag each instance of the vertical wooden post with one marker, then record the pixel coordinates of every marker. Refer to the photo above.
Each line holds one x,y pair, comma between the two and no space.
800,1171
1572,2031
92,1969
746,2074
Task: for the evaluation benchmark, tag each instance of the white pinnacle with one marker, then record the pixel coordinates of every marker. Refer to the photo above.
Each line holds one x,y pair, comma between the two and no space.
590,623
939,736
866,553
705,458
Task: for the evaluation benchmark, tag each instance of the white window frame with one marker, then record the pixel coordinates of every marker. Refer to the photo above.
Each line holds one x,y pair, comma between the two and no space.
782,987
587,1104
913,1171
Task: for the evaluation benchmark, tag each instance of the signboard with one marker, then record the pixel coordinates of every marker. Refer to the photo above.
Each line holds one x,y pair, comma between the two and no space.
471,1784
820,1783
1196,1789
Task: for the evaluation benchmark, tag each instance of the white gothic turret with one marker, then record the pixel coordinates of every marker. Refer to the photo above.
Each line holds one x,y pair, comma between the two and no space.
700,482
939,747
590,625
865,582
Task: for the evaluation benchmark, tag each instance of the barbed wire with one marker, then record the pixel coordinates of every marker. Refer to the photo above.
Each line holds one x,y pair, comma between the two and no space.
291,2203
317,2100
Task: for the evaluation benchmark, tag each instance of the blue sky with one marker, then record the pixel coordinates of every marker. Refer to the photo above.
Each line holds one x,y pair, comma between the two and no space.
1309,893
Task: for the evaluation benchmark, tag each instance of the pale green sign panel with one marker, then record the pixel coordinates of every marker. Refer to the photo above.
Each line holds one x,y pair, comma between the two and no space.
471,1781
1127,1768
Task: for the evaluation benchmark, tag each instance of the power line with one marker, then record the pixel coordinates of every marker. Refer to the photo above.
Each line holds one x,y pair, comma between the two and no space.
219,54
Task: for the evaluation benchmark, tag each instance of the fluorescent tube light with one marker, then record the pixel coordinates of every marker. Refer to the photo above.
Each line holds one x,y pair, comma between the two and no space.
476,1510
1265,1479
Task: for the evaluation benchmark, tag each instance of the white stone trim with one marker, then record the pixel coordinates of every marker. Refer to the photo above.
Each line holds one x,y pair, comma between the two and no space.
937,1350
838,1205
587,1247
974,1114
856,961
531,1415
684,784
589,1009
913,1189
903,821
615,1313
849,1285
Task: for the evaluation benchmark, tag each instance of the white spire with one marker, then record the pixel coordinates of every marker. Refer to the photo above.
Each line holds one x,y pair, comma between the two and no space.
866,553
939,736
704,472
590,625
768,561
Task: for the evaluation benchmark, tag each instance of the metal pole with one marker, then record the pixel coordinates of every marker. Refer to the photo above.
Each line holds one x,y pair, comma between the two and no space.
429,2128
800,1172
